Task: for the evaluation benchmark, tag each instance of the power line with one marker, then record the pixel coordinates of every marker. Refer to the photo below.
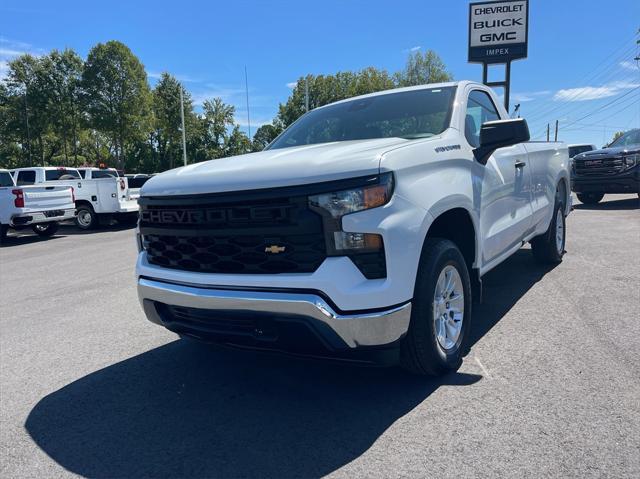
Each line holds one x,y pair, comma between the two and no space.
604,106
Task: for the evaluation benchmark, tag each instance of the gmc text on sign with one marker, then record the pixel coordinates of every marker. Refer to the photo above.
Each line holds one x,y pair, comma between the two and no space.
498,31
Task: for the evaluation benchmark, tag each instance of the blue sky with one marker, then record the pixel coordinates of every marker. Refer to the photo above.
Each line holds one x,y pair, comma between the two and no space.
580,52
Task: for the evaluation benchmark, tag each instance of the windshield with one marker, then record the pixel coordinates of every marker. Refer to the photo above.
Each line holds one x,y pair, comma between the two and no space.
409,114
97,174
5,179
61,174
629,138
576,150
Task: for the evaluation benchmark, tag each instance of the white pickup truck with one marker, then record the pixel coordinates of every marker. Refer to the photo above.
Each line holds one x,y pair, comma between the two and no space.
40,207
100,193
361,232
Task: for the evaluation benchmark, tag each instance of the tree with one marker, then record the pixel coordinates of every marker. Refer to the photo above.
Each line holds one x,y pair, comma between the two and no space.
237,143
422,68
62,73
264,135
167,123
616,135
117,96
325,89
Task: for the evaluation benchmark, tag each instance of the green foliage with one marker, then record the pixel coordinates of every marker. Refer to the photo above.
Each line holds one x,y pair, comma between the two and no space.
117,95
323,89
60,110
422,68
616,135
264,135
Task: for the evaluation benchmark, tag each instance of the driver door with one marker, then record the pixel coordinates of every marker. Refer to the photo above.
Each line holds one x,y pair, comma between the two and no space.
506,215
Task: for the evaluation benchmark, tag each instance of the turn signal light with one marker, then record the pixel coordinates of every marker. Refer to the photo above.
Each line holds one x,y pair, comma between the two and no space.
19,201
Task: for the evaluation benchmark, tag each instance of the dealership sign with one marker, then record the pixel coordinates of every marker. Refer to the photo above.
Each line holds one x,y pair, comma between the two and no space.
498,31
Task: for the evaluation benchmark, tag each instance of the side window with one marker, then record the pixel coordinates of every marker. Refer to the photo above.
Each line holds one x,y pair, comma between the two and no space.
480,109
26,178
82,173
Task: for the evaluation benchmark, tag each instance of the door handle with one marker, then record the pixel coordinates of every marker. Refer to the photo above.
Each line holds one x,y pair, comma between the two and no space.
520,164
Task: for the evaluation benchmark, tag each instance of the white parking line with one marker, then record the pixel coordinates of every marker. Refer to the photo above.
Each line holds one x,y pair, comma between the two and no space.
484,370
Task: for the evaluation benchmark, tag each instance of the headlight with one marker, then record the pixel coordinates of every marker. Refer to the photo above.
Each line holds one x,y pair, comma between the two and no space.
631,160
333,206
341,203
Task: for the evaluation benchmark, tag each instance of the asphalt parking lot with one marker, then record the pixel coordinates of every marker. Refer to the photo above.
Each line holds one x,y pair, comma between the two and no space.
551,387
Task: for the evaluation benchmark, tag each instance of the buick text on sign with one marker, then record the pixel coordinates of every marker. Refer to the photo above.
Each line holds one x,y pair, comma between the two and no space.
498,31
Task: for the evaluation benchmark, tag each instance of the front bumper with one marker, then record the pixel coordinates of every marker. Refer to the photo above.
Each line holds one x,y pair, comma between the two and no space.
627,182
264,316
36,217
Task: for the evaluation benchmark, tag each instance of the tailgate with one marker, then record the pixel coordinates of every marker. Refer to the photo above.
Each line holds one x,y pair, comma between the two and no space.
47,197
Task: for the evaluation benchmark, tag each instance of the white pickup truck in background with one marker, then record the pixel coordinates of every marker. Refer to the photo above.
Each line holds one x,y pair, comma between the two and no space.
100,194
363,229
40,207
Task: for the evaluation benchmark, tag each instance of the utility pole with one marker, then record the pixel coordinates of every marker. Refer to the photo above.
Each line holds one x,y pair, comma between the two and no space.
556,135
306,93
246,85
184,136
548,132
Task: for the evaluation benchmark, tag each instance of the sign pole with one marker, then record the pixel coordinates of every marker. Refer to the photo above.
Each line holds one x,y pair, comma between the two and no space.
498,34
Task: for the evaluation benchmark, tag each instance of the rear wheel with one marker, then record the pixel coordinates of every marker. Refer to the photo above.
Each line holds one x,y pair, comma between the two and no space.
86,218
441,311
3,232
45,229
548,248
590,198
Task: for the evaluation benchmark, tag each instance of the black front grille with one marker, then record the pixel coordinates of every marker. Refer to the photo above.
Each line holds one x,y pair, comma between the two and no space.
239,236
598,166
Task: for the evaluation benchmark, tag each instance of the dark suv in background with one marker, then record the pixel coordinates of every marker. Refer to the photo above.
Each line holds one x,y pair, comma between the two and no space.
614,169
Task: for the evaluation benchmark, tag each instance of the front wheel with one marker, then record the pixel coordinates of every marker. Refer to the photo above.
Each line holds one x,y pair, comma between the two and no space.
590,198
45,229
548,248
441,311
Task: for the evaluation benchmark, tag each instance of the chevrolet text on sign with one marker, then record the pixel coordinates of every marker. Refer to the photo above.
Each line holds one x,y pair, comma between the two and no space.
498,31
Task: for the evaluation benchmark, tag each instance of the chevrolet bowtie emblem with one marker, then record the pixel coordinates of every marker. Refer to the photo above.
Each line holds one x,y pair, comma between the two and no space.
274,249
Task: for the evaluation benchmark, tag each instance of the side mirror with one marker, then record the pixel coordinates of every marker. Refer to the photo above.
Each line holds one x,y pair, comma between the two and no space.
498,134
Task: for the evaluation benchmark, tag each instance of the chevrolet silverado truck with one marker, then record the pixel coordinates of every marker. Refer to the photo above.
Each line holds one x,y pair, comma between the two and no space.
361,232
614,169
100,193
38,207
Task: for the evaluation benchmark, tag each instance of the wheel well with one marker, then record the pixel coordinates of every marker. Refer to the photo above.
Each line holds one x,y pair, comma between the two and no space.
83,203
456,225
562,190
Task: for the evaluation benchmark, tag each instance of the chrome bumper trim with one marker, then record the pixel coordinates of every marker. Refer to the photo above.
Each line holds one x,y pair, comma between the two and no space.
360,329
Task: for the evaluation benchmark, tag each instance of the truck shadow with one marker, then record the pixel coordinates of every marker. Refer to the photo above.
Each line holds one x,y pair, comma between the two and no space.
186,410
624,204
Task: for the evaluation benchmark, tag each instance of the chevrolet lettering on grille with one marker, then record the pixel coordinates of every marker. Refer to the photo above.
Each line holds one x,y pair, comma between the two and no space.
214,215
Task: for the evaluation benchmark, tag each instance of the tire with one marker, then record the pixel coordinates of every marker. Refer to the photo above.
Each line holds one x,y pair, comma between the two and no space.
425,350
590,198
548,248
86,218
3,233
45,229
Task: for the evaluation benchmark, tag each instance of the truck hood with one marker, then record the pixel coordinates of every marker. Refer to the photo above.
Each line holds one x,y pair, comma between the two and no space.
272,168
606,152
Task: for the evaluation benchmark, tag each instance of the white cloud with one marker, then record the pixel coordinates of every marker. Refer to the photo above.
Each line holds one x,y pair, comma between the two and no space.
9,49
593,92
627,65
415,49
528,96
292,84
